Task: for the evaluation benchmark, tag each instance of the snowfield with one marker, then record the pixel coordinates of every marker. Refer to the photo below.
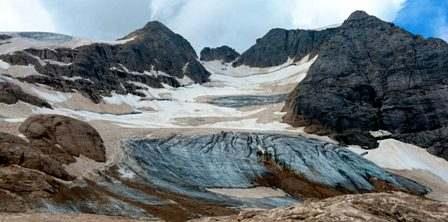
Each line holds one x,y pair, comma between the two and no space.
187,107
396,155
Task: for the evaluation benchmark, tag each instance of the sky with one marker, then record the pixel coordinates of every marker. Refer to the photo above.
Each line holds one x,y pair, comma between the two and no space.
237,23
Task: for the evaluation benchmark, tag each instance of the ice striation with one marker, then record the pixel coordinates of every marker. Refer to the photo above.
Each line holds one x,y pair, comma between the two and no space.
192,164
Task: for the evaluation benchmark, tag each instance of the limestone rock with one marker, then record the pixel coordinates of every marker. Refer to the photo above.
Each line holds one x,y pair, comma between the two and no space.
63,138
14,150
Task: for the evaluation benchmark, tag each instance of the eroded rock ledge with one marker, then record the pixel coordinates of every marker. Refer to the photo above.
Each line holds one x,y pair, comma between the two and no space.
32,171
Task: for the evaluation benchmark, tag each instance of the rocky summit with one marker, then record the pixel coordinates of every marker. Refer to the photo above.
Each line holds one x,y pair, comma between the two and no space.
369,75
151,56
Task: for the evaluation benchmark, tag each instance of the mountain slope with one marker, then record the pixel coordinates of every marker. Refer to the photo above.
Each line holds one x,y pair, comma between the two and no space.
152,56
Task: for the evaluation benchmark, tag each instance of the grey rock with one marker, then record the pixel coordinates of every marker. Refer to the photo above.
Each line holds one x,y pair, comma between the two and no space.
372,75
279,44
223,53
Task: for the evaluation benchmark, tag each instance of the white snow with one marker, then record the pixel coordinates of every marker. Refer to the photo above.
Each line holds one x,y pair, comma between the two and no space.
4,65
380,133
125,173
18,43
396,155
50,96
74,78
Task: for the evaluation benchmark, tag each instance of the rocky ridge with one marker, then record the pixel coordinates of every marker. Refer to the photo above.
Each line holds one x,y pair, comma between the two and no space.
152,56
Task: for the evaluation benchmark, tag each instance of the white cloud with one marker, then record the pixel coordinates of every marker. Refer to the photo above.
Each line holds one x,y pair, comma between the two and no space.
216,22
443,32
238,23
24,15
320,13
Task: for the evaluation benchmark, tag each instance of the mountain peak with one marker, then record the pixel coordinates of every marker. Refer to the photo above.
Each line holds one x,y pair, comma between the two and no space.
358,15
155,25
150,27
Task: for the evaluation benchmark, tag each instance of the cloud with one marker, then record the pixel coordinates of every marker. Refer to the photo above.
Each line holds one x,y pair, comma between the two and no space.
98,19
24,15
238,23
215,22
443,32
319,13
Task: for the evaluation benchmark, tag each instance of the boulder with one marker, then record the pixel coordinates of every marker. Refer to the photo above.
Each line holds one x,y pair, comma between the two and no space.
63,138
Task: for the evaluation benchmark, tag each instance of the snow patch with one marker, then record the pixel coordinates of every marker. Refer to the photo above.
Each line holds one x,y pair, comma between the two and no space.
4,65
380,133
396,155
126,173
51,96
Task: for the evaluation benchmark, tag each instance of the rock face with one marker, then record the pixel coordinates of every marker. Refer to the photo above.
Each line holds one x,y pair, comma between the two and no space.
223,53
11,94
152,55
16,151
278,45
63,138
31,172
381,207
372,75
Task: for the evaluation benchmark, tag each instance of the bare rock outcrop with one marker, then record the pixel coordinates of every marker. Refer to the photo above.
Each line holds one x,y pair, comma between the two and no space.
63,138
16,151
378,207
11,94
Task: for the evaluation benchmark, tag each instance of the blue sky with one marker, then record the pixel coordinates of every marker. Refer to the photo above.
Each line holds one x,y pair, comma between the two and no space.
213,22
428,18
